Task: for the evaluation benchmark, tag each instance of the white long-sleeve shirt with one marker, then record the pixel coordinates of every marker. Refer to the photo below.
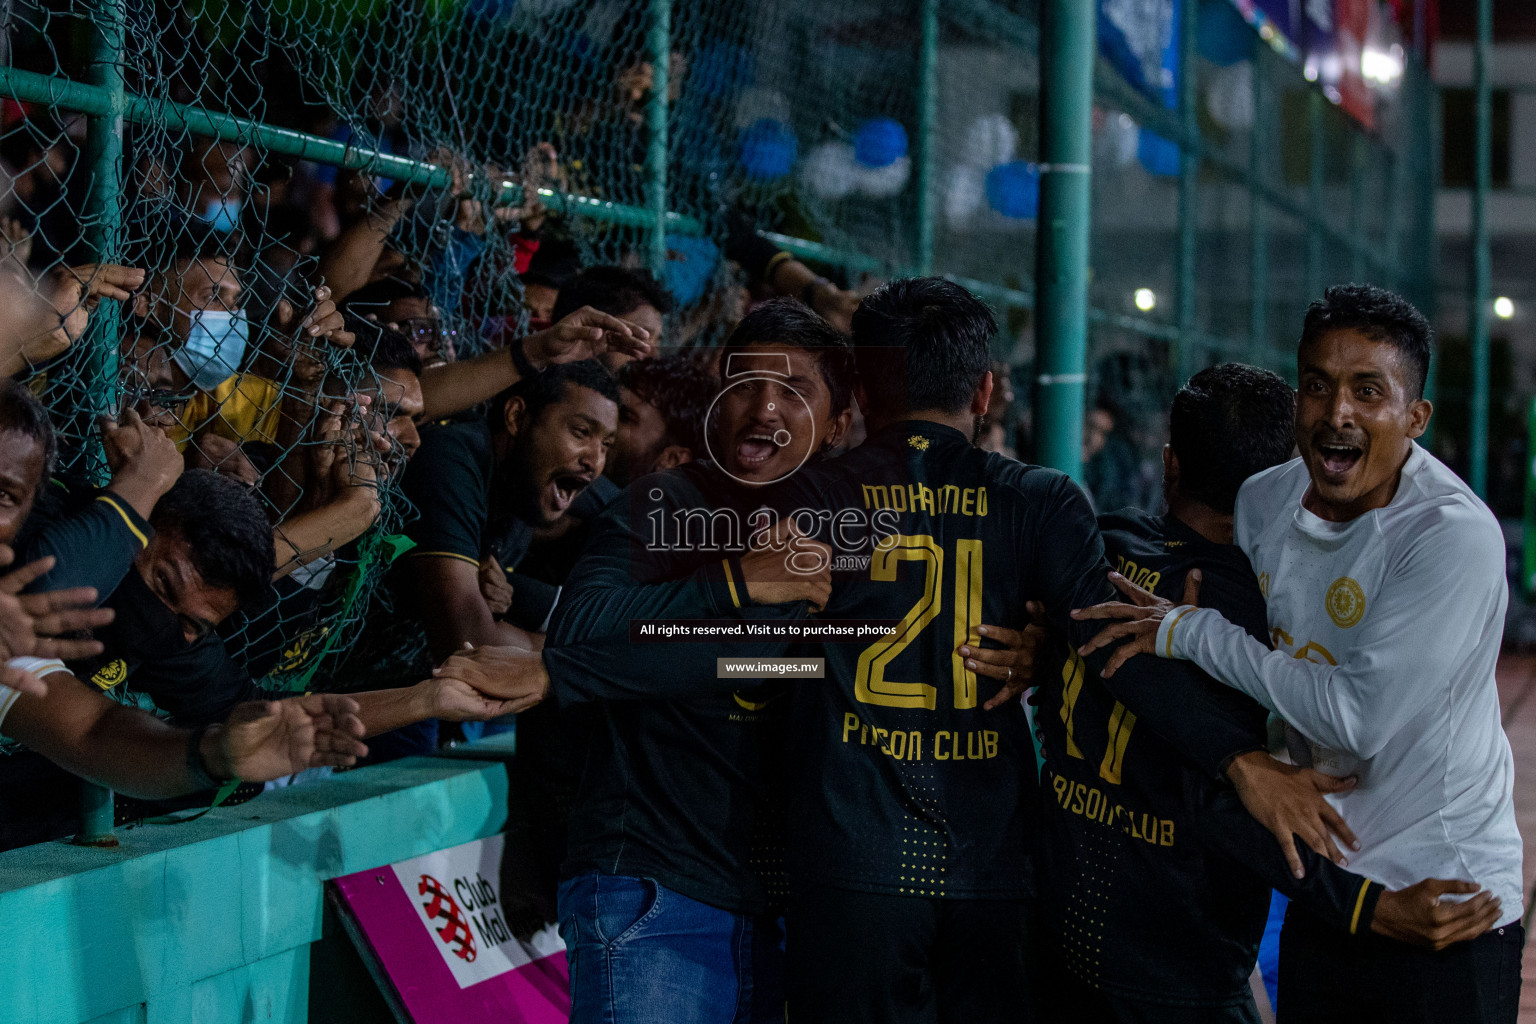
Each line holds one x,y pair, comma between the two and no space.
1386,632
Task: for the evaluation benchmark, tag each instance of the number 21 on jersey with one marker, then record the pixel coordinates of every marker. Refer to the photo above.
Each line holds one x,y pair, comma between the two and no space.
871,685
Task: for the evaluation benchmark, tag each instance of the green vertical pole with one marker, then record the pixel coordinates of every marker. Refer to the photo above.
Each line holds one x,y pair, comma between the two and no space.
1189,172
658,44
927,127
1258,221
1426,155
1315,283
102,209
1482,255
1528,575
1357,267
102,215
1393,246
1061,267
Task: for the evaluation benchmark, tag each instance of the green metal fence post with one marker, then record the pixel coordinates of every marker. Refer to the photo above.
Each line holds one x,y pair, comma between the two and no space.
1258,222
1357,267
102,215
658,44
1189,173
1426,149
1315,154
1061,269
927,126
1482,255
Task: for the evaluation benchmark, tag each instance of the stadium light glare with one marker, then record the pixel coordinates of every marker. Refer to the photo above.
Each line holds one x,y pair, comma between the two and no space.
1503,307
1145,299
1381,66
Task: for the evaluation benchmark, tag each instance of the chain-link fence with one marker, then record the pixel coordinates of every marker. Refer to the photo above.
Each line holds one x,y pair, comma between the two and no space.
243,153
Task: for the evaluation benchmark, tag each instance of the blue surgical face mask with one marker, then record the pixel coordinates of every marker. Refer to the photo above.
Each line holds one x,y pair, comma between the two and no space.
222,214
214,348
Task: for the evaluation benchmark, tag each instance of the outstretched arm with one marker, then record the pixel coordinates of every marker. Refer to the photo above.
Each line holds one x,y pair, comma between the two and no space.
1439,597
136,753
448,388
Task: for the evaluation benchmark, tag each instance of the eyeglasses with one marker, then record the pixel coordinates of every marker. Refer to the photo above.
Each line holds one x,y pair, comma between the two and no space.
427,332
160,398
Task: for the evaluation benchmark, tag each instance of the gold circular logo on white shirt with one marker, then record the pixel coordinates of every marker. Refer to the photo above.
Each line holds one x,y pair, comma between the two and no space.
1345,602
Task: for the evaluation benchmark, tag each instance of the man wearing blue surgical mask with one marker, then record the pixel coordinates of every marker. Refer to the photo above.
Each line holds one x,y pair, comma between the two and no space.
191,311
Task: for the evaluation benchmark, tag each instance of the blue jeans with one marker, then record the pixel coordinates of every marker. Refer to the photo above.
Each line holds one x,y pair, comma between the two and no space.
640,953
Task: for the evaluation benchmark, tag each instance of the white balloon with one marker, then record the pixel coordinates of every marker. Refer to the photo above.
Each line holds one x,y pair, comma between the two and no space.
964,193
830,171
882,182
1229,97
990,139
760,104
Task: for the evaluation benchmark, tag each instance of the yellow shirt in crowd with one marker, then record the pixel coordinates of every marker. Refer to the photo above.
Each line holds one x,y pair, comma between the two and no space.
244,407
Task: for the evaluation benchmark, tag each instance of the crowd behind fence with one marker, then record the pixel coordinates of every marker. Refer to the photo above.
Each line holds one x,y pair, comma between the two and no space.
280,177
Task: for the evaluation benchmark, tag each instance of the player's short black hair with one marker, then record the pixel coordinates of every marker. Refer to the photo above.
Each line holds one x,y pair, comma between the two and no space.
681,391
793,323
922,343
22,412
555,262
227,533
381,347
376,294
547,387
612,290
173,241
1379,315
1228,423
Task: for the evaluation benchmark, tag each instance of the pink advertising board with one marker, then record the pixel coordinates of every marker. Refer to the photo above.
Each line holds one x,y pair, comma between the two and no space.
434,928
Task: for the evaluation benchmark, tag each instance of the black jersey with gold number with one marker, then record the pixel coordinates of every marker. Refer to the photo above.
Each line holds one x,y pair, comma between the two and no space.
905,785
1155,881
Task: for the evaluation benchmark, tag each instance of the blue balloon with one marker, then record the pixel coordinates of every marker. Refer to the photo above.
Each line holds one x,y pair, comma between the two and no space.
690,266
879,142
1157,154
1222,35
768,149
1013,190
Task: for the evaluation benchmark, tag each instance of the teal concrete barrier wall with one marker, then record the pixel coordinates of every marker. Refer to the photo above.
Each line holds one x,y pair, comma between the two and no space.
211,921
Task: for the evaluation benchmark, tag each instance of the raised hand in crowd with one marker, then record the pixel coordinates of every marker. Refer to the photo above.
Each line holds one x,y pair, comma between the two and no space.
221,455
35,625
541,169
352,259
586,334
449,388
15,243
143,460
340,499
42,319
323,322
74,293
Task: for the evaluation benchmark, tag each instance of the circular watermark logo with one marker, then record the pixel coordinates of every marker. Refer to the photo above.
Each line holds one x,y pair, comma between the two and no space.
765,372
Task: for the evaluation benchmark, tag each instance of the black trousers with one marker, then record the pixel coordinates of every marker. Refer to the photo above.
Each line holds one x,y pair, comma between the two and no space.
1329,976
1067,999
855,957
